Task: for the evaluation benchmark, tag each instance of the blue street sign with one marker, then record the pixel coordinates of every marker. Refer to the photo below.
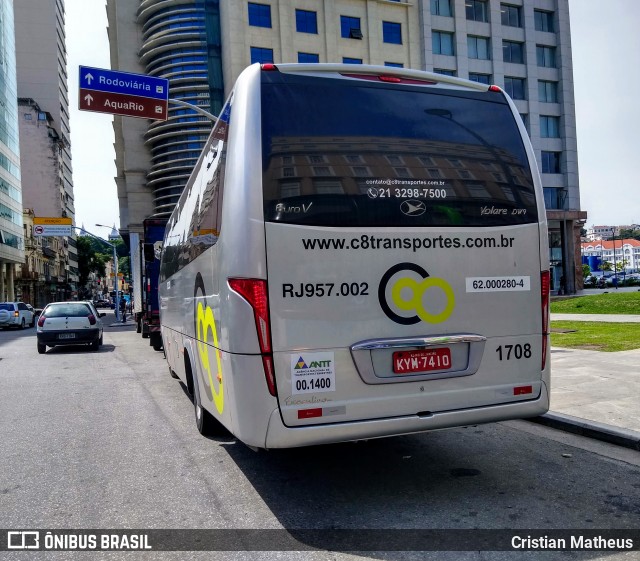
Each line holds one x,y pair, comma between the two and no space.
113,81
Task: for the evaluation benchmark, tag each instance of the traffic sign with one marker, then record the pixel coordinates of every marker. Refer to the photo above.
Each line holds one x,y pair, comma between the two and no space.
51,230
52,220
123,93
122,104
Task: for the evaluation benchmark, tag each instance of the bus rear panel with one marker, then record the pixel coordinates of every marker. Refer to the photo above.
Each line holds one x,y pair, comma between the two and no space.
380,264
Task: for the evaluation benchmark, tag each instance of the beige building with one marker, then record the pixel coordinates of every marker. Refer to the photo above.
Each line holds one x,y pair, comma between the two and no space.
334,31
523,46
43,116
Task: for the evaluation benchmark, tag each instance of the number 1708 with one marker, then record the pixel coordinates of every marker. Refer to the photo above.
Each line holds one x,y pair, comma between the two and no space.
508,352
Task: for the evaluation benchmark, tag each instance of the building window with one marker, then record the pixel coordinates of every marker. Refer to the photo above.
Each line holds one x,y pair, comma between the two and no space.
444,71
555,198
361,171
442,43
525,120
514,87
441,8
547,91
261,55
480,78
391,32
477,10
350,60
550,162
543,21
308,57
306,22
290,189
259,15
477,191
354,158
394,64
328,187
513,52
546,56
478,47
28,116
511,15
549,126
350,27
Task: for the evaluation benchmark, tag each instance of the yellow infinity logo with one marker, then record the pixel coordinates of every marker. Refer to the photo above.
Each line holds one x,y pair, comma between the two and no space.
206,322
413,298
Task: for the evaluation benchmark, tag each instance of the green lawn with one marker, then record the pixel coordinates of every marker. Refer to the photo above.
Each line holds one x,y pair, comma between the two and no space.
610,303
596,336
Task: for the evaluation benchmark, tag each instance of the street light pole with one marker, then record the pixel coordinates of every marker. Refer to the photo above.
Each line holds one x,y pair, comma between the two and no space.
194,108
115,264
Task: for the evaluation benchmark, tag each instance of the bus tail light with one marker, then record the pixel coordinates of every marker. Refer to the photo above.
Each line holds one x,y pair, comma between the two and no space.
254,291
545,290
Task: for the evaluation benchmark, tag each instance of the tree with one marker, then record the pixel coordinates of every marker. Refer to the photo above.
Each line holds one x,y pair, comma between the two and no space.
89,260
586,271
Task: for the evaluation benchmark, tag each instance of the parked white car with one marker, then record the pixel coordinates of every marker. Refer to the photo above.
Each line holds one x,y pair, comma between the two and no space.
16,314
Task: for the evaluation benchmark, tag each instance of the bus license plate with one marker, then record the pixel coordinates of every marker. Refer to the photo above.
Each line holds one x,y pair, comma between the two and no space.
67,336
409,362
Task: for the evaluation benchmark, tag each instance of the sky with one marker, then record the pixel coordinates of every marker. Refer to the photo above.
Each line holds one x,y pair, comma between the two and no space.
606,58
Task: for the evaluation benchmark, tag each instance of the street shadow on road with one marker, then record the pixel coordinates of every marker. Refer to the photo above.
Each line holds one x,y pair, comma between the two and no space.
482,477
68,349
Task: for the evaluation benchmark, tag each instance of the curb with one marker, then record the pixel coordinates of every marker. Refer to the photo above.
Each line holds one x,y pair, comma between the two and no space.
591,429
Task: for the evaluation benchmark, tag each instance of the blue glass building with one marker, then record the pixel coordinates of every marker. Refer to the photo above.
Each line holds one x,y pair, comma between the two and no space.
11,230
180,42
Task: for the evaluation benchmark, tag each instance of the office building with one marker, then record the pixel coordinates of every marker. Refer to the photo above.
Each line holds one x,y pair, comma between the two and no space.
11,225
523,46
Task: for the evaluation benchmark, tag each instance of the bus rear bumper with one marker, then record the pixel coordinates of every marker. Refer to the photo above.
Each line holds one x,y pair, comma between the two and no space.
280,436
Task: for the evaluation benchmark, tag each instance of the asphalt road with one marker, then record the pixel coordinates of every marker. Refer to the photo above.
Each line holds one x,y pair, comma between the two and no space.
108,440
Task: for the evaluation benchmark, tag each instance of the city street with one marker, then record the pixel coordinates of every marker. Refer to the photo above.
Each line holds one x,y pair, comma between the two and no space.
108,440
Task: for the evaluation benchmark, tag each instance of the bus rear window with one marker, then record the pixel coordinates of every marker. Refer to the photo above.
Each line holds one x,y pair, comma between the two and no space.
345,153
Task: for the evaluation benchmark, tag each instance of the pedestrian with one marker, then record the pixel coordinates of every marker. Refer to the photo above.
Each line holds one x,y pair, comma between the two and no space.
123,309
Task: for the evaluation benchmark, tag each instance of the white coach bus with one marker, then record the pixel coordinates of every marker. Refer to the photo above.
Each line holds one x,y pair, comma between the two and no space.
360,252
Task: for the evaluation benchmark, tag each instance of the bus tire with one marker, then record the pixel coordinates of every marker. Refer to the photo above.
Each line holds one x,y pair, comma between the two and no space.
206,423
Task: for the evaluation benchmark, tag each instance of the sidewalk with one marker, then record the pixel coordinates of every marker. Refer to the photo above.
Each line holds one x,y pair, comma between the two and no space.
596,393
